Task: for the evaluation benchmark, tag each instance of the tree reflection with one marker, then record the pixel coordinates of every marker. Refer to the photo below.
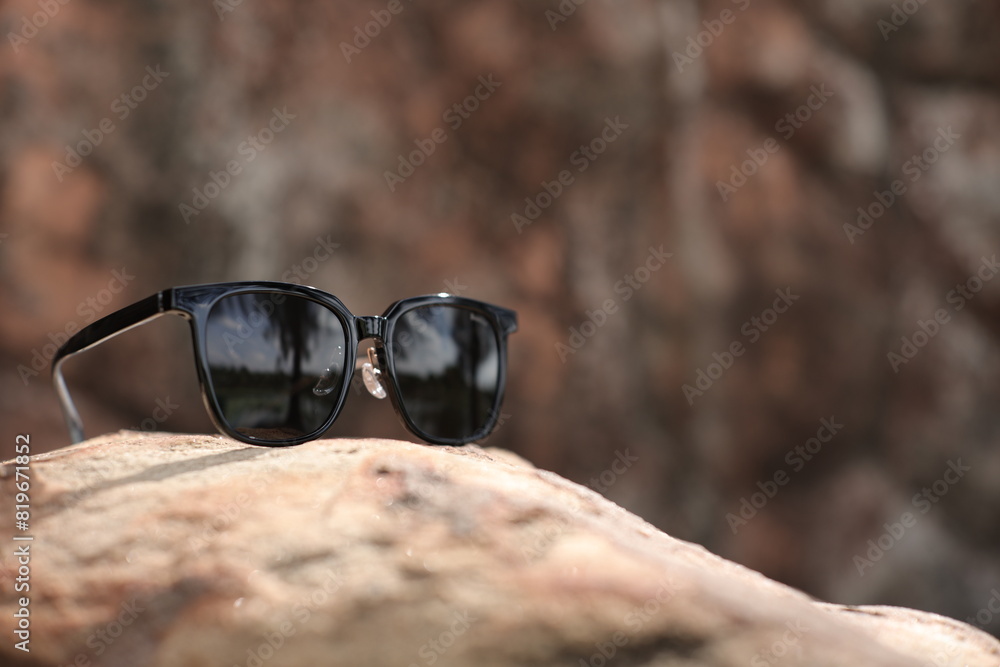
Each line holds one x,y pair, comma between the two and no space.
292,322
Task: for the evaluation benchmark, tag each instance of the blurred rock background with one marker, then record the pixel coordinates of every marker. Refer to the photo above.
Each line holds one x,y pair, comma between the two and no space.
749,133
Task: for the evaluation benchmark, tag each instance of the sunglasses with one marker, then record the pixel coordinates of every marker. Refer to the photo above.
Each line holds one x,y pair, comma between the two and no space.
275,360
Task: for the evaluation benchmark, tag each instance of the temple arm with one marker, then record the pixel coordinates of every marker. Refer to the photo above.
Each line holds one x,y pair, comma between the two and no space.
107,327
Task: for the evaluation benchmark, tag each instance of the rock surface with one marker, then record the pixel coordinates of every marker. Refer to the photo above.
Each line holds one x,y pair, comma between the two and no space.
692,127
190,550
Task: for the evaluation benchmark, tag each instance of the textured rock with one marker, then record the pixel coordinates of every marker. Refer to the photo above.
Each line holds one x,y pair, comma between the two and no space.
198,550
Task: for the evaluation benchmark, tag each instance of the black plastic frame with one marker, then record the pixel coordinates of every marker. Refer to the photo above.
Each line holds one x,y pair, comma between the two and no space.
194,302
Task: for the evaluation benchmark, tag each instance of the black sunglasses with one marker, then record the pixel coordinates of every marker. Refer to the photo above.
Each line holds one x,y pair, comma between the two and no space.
275,360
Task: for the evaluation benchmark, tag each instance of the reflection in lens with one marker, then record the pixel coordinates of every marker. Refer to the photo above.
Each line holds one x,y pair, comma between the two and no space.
276,363
447,368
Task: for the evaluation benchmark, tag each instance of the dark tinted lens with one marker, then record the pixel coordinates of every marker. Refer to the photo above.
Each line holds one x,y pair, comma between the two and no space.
276,363
447,363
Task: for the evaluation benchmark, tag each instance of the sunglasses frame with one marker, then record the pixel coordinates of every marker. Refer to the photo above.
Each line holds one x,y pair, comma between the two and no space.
195,302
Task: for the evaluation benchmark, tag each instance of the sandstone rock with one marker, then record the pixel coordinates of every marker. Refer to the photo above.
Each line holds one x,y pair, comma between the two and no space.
190,550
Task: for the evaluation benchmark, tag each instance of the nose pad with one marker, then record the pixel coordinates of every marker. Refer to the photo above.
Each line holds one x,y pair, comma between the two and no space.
325,384
328,381
372,375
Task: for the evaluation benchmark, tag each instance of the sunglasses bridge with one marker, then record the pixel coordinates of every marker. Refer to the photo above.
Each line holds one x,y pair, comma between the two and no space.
370,327
371,373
